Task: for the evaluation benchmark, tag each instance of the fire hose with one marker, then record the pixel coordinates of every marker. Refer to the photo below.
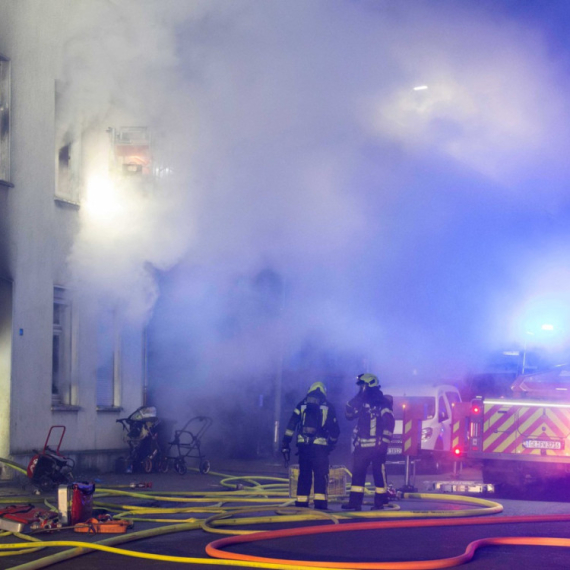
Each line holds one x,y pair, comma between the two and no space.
248,490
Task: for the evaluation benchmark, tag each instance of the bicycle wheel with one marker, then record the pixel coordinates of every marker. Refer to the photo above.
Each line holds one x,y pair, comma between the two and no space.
148,464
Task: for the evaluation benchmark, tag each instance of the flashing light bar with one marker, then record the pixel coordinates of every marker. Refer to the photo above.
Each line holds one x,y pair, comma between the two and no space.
525,403
420,88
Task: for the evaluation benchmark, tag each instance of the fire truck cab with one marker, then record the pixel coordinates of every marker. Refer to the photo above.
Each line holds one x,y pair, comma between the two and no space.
436,402
524,437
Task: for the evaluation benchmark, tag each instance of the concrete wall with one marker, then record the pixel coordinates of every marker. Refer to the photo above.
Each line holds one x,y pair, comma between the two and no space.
37,233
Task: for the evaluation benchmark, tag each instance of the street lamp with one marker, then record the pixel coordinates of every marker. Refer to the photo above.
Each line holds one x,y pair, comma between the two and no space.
544,327
524,351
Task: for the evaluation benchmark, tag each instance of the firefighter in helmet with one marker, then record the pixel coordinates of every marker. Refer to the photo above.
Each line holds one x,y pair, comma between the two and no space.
314,419
373,433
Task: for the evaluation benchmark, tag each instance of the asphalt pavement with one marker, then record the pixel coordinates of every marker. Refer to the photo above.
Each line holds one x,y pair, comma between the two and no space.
349,547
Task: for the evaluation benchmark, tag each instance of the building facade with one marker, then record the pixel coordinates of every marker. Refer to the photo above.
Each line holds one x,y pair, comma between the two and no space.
67,355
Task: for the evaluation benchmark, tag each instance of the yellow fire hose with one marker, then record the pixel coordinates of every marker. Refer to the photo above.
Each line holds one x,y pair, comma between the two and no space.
207,524
234,559
248,489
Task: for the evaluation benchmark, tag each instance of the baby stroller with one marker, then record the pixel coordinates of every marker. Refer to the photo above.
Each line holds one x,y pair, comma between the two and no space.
186,444
141,434
49,468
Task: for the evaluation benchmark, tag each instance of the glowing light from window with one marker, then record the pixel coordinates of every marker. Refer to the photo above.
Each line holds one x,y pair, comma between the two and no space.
420,88
102,200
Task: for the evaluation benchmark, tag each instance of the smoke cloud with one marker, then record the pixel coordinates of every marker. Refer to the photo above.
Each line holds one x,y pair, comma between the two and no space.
322,214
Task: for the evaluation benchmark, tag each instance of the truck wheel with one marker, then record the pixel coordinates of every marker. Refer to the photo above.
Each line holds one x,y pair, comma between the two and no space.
504,476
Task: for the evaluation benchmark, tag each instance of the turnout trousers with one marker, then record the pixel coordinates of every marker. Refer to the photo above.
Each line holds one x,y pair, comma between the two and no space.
362,458
313,464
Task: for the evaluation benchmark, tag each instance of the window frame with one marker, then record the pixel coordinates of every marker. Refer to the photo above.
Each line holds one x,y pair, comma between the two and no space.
61,378
68,173
5,103
115,368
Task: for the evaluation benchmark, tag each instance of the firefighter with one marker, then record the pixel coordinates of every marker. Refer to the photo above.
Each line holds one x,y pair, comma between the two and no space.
373,433
316,424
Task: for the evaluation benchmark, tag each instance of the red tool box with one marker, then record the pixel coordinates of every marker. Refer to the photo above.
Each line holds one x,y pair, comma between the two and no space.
75,502
23,518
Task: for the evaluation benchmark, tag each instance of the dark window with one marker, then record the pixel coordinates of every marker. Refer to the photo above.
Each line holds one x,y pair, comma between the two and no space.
443,414
61,348
107,360
426,403
453,398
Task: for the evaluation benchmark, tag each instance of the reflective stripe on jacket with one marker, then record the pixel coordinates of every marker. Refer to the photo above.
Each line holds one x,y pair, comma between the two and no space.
375,419
326,433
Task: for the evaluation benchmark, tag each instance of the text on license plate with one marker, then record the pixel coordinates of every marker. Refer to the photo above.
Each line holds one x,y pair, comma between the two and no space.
542,444
394,450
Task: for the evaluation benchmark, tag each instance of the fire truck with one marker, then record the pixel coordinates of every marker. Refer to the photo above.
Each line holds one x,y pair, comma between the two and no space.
520,438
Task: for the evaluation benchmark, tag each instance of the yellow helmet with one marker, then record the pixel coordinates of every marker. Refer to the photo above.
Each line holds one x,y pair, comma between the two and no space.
318,386
368,380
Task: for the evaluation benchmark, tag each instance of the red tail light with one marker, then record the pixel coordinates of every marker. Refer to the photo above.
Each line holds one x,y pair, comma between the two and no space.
457,451
476,407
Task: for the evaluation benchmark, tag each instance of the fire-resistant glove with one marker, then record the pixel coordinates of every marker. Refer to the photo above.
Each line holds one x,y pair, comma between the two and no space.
286,451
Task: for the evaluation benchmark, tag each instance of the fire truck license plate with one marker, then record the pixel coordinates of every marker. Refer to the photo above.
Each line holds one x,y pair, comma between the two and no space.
542,444
394,450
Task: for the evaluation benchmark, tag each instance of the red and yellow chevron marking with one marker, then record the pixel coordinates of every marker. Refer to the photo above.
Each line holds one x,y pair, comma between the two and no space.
407,437
506,427
460,414
455,434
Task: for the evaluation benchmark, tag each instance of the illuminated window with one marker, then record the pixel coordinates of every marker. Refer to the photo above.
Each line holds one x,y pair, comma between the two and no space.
108,361
4,121
131,151
61,348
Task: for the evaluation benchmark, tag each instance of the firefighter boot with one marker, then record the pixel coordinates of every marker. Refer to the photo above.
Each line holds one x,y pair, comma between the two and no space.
354,502
304,504
380,499
321,505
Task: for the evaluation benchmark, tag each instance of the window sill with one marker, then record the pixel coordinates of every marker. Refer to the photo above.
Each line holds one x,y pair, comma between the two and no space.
64,408
6,183
109,409
66,202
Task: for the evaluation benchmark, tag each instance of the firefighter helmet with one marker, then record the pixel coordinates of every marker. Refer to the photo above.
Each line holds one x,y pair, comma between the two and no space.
318,386
368,380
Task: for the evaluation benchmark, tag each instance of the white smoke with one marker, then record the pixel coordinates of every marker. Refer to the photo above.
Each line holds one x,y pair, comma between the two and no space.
395,219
